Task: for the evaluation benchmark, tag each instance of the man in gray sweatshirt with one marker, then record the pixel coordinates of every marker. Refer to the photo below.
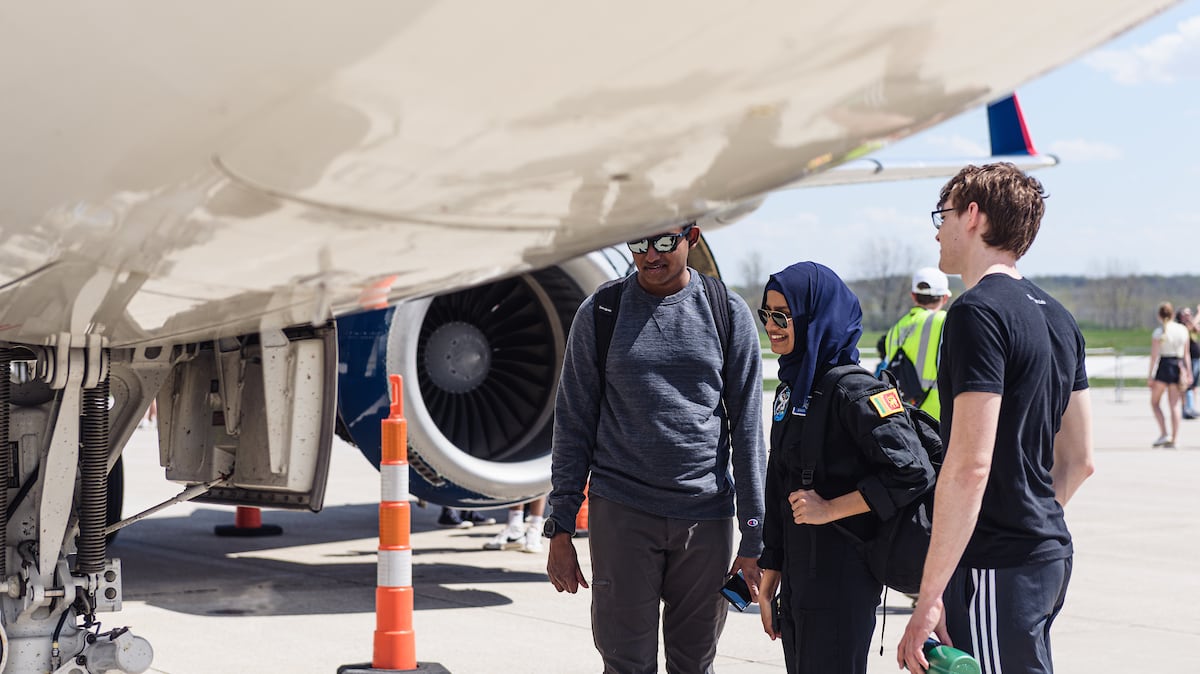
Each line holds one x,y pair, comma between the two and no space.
657,434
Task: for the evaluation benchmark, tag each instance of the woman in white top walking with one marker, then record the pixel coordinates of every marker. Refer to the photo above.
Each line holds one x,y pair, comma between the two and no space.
1170,371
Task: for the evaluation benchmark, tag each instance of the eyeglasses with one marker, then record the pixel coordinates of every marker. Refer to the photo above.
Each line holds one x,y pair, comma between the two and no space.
663,243
938,218
778,317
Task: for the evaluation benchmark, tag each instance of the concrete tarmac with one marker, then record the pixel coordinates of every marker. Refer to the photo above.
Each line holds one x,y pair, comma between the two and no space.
304,601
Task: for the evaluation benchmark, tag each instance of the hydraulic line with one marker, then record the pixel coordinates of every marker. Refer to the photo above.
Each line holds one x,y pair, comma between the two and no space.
93,469
5,458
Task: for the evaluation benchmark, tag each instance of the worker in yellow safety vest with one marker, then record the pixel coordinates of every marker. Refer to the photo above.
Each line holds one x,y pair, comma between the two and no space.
912,345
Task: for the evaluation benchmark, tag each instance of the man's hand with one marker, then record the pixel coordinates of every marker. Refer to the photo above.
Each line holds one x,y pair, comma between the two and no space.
562,565
770,585
750,572
809,508
927,617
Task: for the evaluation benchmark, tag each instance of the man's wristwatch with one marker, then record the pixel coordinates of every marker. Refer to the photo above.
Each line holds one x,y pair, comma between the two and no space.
552,528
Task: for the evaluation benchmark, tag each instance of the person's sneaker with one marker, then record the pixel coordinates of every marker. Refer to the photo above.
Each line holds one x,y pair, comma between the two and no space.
451,518
477,518
1161,441
1168,445
510,539
533,541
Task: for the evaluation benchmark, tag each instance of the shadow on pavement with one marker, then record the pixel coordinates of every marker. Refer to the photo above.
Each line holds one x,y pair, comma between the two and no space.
323,563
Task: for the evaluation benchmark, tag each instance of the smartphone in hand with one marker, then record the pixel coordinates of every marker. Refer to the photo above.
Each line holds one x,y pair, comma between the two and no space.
736,591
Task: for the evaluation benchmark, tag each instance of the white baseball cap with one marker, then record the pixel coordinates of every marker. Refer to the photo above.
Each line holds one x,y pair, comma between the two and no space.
931,281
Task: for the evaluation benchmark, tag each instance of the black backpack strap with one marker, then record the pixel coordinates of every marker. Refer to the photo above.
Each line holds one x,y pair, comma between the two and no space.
719,304
718,301
813,437
605,306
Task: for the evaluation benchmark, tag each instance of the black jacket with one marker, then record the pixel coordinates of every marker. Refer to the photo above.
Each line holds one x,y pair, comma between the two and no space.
875,452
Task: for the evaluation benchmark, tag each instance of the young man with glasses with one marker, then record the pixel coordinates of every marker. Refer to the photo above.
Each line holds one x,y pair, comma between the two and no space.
656,432
1016,419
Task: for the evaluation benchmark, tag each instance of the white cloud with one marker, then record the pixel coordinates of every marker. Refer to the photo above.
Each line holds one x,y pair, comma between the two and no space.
1164,60
1079,149
890,215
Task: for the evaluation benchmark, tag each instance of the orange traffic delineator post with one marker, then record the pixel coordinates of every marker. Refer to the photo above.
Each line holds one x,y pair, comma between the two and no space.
581,518
247,522
395,641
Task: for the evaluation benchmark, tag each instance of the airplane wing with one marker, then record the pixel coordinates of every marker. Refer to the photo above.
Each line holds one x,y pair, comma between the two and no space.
1010,142
201,197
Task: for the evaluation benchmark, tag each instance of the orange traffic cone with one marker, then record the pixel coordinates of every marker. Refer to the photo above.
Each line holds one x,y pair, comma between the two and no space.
247,521
395,648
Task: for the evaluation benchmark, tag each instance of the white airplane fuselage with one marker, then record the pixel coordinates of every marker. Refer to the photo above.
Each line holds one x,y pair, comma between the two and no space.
182,171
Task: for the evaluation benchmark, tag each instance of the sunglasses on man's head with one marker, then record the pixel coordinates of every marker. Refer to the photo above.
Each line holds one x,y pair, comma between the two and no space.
663,243
778,317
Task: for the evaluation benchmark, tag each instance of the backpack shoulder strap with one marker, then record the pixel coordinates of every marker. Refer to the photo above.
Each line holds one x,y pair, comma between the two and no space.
813,436
718,301
605,306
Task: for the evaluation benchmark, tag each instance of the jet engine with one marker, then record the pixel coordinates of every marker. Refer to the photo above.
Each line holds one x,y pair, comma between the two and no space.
480,370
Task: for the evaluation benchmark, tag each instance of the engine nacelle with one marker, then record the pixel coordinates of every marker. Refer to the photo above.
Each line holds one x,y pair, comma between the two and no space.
480,369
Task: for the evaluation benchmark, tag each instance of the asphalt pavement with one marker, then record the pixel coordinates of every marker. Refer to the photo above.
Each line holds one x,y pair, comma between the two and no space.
304,601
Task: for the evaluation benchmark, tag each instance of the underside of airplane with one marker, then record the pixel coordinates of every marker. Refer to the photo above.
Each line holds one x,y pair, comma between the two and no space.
253,212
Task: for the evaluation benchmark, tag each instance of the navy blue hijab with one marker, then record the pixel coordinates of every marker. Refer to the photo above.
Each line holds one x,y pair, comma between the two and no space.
826,322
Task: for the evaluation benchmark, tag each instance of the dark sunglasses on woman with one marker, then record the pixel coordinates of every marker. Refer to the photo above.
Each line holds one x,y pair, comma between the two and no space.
778,317
663,243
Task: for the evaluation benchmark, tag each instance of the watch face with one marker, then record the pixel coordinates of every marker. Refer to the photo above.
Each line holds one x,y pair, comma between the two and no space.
549,528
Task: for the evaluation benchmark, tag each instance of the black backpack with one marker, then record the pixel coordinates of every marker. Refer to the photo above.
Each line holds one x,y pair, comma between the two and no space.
896,555
607,305
904,373
908,381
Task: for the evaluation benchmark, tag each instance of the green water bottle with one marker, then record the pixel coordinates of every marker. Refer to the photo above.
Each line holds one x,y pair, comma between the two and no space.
948,660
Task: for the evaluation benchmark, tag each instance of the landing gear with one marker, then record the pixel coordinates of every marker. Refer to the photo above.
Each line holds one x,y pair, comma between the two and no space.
57,466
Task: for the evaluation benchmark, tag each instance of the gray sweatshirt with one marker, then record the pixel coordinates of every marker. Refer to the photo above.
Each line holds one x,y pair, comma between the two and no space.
657,440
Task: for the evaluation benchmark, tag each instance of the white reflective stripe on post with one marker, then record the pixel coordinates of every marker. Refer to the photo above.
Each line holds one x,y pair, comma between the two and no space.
393,480
395,568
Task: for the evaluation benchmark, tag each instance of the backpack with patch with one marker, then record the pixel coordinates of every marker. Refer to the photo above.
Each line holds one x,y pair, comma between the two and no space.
896,555
607,304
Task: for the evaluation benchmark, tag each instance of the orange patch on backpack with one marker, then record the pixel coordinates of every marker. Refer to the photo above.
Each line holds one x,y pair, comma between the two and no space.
887,403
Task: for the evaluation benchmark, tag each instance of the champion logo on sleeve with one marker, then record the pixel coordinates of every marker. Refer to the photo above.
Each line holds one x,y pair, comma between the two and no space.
752,522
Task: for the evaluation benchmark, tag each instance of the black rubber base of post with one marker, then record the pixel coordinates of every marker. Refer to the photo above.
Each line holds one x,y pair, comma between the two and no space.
247,532
422,668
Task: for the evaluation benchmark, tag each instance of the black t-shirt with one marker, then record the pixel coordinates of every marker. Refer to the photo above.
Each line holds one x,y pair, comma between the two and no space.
1008,336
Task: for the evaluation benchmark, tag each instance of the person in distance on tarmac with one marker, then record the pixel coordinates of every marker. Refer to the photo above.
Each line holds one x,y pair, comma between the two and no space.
1170,372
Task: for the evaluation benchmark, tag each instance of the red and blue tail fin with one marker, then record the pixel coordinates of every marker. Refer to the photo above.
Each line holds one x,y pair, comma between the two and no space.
1006,127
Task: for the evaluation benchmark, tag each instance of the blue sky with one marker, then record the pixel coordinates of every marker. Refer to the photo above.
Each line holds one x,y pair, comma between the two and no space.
1124,121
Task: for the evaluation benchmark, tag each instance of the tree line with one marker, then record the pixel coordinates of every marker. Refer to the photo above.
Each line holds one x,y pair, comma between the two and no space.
1117,300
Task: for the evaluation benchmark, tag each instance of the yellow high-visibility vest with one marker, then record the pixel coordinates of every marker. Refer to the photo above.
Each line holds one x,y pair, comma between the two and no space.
919,333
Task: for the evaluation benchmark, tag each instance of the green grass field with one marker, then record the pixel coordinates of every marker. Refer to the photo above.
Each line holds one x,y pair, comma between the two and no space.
1131,342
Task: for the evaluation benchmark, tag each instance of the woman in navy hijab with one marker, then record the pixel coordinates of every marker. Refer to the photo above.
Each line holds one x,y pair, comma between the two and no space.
869,465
